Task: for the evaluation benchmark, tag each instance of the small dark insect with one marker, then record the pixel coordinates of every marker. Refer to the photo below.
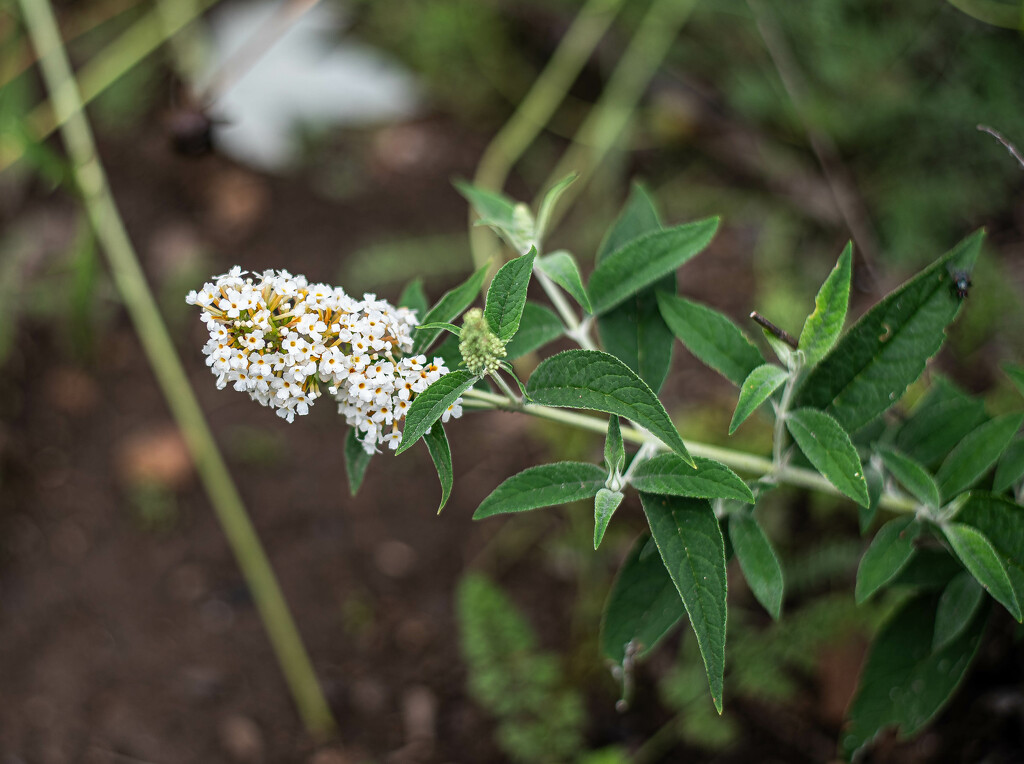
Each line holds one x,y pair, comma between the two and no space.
961,283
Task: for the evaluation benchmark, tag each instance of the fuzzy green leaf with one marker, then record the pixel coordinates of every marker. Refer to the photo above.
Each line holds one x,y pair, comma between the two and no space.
1002,522
562,268
590,379
823,327
441,455
888,554
447,308
975,454
605,504
940,421
1011,466
886,350
491,205
978,555
711,336
690,541
414,298
643,605
911,476
756,389
506,297
547,485
429,405
614,448
645,260
905,683
547,205
668,474
636,334
827,446
356,460
958,604
757,560
639,216
538,327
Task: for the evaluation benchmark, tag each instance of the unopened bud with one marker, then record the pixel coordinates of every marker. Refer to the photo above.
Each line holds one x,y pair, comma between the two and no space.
480,347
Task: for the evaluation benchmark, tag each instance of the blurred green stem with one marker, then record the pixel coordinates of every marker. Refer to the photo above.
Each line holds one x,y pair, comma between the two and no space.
156,342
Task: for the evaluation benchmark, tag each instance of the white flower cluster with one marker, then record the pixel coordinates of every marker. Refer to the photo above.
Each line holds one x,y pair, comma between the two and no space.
279,338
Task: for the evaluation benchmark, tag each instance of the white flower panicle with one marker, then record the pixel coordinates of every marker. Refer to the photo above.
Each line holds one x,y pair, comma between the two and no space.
280,339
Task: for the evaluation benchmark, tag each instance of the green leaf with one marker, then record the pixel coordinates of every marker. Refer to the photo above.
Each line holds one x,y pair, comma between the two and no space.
976,453
886,350
643,605
547,205
823,327
979,557
590,379
441,454
888,554
670,475
938,423
447,308
547,485
638,217
356,461
1002,522
1011,466
757,560
605,504
911,476
429,405
538,327
443,326
1016,375
756,389
645,260
876,483
506,297
614,448
491,205
904,682
636,334
562,268
414,298
690,541
827,446
958,604
711,336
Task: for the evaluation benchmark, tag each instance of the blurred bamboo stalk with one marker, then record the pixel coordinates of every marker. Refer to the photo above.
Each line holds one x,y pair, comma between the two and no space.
156,341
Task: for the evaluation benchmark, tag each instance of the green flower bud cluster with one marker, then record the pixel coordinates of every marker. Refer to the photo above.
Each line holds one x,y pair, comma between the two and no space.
480,347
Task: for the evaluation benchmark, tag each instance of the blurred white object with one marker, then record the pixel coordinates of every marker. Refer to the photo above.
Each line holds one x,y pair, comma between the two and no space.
308,78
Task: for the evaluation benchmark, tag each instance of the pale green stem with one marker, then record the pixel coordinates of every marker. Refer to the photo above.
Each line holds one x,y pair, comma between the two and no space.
536,109
156,343
737,460
577,331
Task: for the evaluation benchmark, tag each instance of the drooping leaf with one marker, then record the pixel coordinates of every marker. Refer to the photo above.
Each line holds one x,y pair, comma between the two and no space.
547,485
643,605
429,405
638,217
886,350
636,334
757,560
506,296
1002,523
451,304
561,267
605,504
958,604
823,327
668,474
756,389
905,683
645,260
876,484
938,423
356,460
888,554
414,298
441,455
538,327
827,446
978,555
590,379
614,448
489,205
911,475
690,542
975,454
547,205
1010,467
711,336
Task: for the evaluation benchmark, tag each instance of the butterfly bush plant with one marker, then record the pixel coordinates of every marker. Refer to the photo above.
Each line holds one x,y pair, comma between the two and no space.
951,533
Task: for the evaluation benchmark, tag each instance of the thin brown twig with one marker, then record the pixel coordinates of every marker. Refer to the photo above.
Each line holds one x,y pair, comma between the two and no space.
1014,151
776,331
